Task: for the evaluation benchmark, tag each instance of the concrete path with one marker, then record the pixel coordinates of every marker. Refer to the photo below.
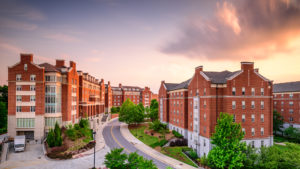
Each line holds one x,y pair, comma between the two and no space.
151,152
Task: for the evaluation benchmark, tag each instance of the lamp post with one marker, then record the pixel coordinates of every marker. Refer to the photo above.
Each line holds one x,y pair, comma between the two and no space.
94,135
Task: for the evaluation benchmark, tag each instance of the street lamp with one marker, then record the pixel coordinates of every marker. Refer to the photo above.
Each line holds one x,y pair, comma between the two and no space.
94,136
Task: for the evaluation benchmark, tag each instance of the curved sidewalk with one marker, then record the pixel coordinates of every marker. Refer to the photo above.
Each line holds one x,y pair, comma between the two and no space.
151,152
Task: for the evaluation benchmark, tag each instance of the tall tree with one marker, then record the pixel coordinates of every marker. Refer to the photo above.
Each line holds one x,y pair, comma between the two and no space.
228,150
153,110
3,94
277,122
3,115
141,107
129,113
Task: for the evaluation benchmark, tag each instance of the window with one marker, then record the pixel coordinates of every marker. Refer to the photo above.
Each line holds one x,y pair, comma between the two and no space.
197,92
252,91
275,103
282,103
243,130
291,111
252,105
18,77
204,143
243,105
234,118
233,104
282,95
233,91
25,67
25,122
252,117
50,121
282,110
253,131
291,104
32,87
243,118
204,104
204,117
262,92
243,90
50,78
252,144
204,91
32,98
262,131
32,108
19,88
19,98
291,95
262,118
291,119
262,105
32,77
19,108
262,143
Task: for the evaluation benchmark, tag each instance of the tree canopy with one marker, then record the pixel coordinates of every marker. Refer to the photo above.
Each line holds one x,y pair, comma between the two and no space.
228,148
277,121
130,113
153,110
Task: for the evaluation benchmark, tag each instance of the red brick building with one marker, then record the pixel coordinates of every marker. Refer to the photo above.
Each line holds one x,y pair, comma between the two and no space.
192,107
287,102
40,95
108,97
90,94
135,94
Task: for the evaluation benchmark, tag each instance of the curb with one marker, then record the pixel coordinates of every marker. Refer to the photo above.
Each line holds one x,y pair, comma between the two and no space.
151,152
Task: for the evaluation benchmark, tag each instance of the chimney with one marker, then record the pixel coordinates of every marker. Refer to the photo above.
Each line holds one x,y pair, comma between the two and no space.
26,58
120,85
60,63
102,81
108,83
247,65
73,64
198,69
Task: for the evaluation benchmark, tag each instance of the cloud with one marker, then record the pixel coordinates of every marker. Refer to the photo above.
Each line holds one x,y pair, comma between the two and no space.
14,24
61,37
253,28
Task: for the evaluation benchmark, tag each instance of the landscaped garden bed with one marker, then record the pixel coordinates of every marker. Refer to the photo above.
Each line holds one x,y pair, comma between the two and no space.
63,143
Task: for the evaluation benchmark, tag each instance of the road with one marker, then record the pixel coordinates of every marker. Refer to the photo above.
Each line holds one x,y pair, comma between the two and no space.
114,139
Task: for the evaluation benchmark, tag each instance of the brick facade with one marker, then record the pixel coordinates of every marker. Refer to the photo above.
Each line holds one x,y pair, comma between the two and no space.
192,107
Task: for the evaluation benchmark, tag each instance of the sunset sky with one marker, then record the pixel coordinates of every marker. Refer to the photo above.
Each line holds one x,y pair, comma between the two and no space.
142,42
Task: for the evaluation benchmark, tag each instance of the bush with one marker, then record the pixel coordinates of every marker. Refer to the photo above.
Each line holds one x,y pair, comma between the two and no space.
71,132
84,123
178,142
176,134
193,155
157,126
76,126
51,138
160,143
203,160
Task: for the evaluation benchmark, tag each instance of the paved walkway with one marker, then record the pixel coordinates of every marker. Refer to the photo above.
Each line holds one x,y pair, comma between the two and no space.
151,152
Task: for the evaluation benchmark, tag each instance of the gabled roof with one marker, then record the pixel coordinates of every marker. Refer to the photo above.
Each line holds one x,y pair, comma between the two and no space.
177,86
287,87
49,68
220,77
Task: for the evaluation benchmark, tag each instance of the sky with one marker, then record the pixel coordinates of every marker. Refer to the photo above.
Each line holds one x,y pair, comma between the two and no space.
142,42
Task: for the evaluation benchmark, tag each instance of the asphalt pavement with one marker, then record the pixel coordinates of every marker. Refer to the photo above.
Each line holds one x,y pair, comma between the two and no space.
114,139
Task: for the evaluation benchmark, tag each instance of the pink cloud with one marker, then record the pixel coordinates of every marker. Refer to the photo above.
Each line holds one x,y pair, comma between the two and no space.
61,37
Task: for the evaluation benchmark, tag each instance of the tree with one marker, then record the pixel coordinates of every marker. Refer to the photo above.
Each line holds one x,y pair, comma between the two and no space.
147,112
292,133
51,138
115,160
3,115
3,94
141,108
57,133
153,110
228,148
277,122
130,114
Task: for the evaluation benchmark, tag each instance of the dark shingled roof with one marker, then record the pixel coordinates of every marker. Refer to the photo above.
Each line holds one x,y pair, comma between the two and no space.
49,68
219,77
176,86
286,87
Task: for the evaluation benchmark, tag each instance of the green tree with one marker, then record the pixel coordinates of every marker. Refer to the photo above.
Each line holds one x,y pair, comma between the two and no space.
51,138
130,114
113,110
292,133
57,133
115,160
153,110
4,94
3,115
147,112
228,150
277,122
141,108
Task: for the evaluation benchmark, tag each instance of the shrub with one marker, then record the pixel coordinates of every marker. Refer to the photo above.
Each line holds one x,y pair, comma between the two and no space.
193,155
176,134
76,126
84,123
71,132
157,126
178,142
51,138
203,160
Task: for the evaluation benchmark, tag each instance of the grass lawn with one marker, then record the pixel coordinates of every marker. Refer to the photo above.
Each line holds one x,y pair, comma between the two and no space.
293,147
280,139
176,152
145,138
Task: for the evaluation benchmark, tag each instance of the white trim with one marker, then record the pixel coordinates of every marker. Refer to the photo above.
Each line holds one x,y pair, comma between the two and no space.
25,83
22,93
25,114
57,114
205,76
235,75
25,103
73,112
